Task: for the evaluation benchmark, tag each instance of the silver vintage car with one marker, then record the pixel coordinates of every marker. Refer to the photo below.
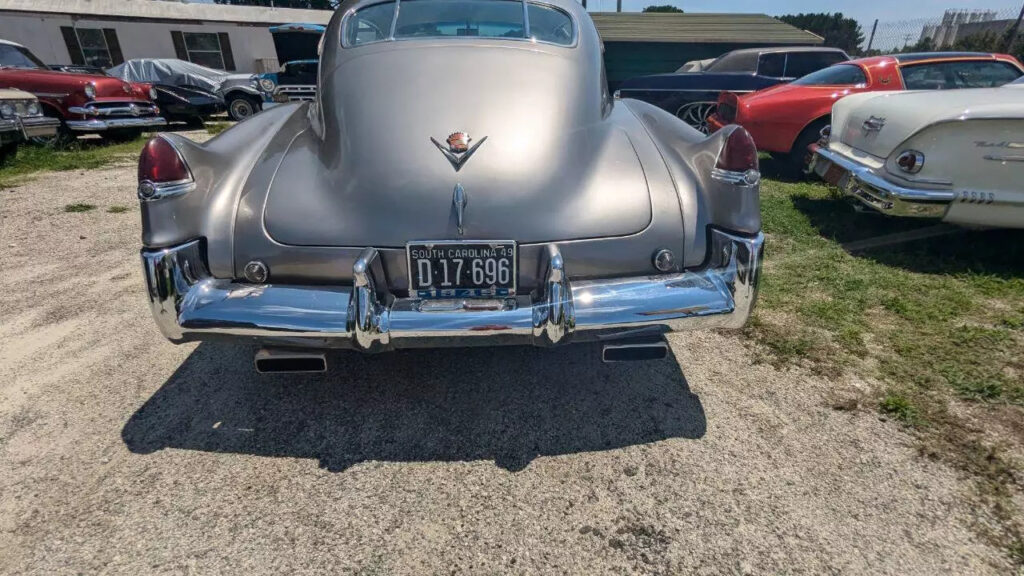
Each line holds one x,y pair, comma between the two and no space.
463,178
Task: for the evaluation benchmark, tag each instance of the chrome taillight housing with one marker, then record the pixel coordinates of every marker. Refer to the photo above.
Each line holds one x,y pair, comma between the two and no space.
910,161
163,172
737,161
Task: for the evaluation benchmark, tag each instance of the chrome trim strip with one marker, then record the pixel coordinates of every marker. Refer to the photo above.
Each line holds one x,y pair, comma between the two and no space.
51,94
879,193
627,90
749,178
189,305
97,125
161,190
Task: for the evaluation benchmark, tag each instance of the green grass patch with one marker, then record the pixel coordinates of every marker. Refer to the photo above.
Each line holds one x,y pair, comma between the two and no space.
936,320
118,209
214,128
79,155
945,311
899,407
79,207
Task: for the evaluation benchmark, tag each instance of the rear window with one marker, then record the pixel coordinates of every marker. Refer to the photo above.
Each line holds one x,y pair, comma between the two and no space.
959,74
734,62
838,75
459,19
773,64
803,63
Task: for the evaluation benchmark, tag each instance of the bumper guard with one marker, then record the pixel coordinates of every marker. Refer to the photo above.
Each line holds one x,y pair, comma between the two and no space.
876,192
189,305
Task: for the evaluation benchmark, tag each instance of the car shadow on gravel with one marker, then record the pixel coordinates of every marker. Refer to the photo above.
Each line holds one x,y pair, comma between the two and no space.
509,405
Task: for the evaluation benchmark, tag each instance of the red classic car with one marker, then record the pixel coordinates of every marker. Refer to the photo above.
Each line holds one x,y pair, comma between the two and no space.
784,120
84,103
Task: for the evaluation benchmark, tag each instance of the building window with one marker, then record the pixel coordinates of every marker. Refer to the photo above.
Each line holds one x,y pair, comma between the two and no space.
209,49
92,46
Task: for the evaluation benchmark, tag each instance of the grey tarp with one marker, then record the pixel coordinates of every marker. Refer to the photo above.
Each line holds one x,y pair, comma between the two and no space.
173,72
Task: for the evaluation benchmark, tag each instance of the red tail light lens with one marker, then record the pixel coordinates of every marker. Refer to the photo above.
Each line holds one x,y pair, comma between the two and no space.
161,163
739,153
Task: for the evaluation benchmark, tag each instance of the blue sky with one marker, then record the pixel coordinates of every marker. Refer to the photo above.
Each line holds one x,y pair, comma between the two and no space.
862,10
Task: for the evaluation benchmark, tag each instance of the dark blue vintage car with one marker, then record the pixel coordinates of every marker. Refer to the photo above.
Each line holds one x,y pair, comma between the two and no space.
693,96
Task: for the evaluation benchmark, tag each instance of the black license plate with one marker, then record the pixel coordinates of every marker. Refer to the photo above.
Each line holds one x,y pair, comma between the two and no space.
455,269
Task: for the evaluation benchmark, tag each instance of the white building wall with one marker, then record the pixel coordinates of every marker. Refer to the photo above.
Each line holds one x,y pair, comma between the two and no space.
138,39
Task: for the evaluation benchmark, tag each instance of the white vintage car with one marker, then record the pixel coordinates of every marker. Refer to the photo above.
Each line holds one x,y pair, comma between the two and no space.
957,155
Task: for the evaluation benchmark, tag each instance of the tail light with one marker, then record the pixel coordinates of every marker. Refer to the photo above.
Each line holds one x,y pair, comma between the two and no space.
910,161
737,161
162,171
727,102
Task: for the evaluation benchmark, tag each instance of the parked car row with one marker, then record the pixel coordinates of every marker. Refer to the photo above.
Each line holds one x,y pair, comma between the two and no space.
44,102
927,135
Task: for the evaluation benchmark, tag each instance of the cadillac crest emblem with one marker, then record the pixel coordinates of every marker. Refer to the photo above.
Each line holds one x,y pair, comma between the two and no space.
458,150
458,142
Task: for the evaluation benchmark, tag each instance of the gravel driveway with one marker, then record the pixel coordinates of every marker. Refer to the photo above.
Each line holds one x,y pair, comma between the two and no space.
122,453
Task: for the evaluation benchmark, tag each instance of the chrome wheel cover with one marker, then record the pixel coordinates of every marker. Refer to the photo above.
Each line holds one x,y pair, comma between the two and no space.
696,114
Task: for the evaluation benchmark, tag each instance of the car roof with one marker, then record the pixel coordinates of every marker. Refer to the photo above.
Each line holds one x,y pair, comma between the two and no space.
773,49
917,56
9,43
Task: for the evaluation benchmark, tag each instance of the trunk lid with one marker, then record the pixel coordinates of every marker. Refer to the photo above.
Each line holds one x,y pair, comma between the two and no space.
878,124
551,168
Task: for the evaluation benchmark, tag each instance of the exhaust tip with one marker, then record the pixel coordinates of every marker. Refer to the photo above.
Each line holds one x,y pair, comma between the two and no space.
285,361
635,352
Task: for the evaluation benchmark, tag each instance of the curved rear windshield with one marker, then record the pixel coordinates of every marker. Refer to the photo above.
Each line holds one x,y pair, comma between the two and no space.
459,19
838,75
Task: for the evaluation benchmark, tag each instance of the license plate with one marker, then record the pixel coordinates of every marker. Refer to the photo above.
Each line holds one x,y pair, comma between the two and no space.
834,174
456,269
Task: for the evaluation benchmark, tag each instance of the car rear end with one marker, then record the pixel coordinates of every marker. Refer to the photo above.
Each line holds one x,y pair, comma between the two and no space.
963,163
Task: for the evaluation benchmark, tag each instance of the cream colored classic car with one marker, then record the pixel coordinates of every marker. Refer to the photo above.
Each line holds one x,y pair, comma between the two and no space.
957,155
21,118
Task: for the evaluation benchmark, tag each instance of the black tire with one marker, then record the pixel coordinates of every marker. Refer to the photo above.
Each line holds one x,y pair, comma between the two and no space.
243,106
797,159
194,122
122,134
8,152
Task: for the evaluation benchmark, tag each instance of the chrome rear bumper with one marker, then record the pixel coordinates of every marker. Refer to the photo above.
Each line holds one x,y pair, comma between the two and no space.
189,305
864,184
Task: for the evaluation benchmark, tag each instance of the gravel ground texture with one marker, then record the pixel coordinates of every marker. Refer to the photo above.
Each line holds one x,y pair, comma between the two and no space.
122,453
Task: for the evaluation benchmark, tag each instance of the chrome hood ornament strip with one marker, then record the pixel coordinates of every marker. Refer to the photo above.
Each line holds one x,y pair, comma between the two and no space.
459,201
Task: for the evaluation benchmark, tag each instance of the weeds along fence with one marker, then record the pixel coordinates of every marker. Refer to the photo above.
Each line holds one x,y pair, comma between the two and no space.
971,30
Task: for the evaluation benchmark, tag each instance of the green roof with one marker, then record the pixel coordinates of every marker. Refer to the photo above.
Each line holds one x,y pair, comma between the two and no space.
698,28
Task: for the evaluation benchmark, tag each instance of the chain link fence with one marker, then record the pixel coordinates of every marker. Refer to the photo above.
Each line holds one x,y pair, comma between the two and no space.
974,30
